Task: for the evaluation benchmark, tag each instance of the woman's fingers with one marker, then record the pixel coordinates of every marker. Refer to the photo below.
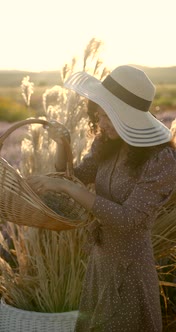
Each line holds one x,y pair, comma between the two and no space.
44,183
57,131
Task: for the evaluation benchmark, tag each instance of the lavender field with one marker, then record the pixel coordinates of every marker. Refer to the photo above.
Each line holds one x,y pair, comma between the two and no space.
166,117
11,147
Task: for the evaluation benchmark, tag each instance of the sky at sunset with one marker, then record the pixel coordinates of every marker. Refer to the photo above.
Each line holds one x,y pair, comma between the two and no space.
44,34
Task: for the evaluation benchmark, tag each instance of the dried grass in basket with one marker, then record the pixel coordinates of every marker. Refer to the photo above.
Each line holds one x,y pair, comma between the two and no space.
21,205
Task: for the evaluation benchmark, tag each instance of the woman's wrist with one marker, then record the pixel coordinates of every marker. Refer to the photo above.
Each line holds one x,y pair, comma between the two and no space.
68,187
80,194
60,158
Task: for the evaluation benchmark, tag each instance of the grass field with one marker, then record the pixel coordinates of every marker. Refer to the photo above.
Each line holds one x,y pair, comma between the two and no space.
165,95
11,101
12,106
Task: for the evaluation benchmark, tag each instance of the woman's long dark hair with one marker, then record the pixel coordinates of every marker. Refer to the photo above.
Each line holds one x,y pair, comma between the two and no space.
136,156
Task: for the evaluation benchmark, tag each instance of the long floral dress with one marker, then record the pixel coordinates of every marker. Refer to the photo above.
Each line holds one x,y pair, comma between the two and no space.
121,289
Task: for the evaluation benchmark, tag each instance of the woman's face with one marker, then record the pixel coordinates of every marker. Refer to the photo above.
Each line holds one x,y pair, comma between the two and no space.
105,124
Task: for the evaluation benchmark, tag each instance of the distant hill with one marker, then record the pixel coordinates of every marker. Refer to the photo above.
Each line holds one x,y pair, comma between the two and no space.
13,78
161,75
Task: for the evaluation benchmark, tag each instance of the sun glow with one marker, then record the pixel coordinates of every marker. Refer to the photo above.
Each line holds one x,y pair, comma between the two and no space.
43,35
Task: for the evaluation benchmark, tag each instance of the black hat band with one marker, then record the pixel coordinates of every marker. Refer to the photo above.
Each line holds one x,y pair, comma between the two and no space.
125,95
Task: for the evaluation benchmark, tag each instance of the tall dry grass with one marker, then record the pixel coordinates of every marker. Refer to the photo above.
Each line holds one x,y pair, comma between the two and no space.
46,269
49,269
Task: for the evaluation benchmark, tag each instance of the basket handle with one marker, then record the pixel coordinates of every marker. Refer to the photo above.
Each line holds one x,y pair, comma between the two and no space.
69,156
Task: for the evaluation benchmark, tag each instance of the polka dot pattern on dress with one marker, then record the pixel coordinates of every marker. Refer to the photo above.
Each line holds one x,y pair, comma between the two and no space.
121,290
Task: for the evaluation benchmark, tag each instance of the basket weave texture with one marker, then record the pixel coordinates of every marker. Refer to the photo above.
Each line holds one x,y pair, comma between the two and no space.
17,320
21,205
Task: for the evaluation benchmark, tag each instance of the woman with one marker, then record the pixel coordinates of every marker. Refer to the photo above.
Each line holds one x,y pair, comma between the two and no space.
133,165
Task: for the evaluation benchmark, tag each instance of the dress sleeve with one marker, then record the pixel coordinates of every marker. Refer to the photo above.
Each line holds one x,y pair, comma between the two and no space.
86,171
151,191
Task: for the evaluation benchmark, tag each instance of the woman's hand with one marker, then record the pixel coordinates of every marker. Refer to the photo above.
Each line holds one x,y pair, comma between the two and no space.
42,183
57,131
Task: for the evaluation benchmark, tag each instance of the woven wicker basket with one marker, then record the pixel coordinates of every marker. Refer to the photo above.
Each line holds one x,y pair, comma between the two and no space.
21,205
17,320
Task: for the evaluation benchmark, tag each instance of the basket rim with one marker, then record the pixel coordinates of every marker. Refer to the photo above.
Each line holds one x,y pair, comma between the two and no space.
4,305
13,181
38,201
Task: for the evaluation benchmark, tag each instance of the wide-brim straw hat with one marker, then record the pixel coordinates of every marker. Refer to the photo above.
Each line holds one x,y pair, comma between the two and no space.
125,95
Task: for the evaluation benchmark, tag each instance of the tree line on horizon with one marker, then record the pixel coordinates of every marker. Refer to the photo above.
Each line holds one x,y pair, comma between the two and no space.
12,78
